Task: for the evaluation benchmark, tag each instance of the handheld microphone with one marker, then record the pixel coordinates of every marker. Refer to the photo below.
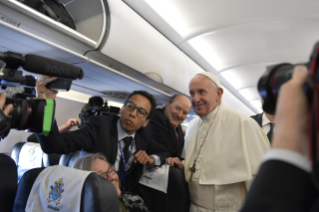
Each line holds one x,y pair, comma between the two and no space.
46,66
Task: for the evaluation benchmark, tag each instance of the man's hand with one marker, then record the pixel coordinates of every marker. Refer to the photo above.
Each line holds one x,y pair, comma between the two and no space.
143,158
42,91
292,114
68,125
6,111
175,162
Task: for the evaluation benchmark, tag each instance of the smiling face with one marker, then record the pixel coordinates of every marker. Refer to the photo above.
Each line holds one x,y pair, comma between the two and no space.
205,96
103,168
129,119
177,110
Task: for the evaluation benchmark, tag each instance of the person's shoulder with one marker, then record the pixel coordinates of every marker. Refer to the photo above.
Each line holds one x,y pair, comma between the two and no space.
158,118
158,113
145,132
235,115
256,116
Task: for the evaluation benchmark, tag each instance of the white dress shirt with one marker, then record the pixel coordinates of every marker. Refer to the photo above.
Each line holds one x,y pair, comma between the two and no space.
291,157
121,134
265,124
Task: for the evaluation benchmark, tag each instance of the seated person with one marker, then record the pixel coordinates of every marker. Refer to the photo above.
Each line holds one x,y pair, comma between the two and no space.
125,140
98,163
166,124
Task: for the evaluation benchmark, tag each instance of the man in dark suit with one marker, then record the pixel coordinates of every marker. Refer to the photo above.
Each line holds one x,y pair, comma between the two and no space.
266,121
124,140
166,124
285,181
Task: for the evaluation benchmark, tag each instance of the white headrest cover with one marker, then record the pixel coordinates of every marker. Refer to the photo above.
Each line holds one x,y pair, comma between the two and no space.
57,188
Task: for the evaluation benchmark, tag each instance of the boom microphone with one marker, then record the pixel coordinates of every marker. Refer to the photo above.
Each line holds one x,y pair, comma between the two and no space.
46,66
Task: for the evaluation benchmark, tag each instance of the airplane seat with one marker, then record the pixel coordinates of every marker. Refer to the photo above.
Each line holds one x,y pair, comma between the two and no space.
15,153
45,159
70,159
50,159
98,194
8,182
176,198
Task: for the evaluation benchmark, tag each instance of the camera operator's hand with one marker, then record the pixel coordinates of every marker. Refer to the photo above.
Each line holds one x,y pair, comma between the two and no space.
6,111
68,125
42,91
292,115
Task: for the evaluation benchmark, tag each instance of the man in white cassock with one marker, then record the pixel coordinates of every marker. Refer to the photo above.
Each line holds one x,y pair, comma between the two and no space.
223,150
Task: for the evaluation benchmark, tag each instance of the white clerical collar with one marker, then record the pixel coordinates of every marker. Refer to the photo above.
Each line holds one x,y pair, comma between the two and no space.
121,132
265,120
211,115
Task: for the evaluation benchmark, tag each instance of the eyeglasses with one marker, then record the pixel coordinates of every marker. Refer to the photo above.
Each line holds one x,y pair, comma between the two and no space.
141,112
111,171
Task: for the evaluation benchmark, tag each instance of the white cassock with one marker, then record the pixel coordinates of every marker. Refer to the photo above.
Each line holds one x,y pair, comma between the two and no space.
232,151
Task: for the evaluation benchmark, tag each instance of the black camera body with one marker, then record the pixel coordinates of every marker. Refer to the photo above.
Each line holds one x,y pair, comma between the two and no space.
269,86
96,107
270,82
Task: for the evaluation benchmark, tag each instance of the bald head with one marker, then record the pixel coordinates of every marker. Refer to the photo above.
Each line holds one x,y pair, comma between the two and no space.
205,94
177,109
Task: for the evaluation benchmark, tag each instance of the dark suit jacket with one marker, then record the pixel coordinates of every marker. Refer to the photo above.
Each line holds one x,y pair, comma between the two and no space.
100,135
163,132
281,187
258,118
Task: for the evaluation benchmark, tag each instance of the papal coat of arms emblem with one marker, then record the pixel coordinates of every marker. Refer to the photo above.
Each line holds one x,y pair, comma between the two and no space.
152,170
55,193
31,153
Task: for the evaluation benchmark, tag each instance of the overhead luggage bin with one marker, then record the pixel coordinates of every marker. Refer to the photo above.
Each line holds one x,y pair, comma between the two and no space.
91,19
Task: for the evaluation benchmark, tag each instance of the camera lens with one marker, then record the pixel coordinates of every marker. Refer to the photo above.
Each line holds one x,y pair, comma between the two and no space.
31,114
269,84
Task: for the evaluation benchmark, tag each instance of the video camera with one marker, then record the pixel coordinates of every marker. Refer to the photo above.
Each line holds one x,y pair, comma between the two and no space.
96,107
269,85
34,115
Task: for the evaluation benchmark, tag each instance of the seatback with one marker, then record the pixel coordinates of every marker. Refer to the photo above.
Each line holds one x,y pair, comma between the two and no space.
176,198
47,159
98,193
8,182
15,153
70,159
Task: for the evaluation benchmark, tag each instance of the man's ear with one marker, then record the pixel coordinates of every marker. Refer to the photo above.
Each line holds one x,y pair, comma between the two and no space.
220,92
146,122
167,104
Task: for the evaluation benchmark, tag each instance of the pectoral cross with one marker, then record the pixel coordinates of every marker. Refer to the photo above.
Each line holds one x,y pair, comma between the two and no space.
192,170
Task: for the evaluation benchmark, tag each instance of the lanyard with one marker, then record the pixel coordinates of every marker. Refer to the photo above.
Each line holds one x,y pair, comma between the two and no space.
125,163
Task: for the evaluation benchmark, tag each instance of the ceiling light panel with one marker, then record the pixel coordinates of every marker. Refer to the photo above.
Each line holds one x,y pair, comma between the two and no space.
232,102
250,93
244,76
274,42
256,104
191,18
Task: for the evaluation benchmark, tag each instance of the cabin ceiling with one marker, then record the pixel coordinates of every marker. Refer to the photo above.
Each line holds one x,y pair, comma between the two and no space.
236,40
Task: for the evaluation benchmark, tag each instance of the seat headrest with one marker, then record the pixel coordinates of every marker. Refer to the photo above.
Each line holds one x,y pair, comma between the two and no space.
70,159
16,151
98,194
8,182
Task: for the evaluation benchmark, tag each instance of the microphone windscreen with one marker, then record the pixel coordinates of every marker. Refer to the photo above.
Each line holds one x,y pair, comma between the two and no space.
50,67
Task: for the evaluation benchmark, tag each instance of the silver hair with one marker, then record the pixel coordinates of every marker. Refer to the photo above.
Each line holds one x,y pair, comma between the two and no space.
86,162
